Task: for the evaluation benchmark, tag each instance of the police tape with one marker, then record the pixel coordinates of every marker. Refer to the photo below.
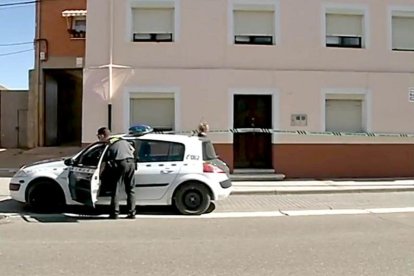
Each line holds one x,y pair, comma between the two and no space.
294,132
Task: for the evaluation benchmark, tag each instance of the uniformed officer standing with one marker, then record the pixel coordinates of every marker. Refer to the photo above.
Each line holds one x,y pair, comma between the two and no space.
120,156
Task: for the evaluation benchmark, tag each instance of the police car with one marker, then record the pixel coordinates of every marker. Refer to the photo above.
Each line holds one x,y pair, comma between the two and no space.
178,170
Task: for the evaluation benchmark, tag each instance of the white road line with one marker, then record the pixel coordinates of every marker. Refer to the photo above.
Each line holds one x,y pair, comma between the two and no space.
219,215
328,212
391,210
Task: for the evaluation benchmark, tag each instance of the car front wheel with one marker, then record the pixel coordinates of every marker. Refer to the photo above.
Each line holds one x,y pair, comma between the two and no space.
192,199
45,196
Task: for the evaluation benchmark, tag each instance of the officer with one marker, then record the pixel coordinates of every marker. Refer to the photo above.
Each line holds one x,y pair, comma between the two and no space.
120,157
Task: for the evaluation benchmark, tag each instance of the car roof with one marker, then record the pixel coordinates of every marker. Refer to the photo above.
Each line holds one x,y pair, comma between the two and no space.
165,137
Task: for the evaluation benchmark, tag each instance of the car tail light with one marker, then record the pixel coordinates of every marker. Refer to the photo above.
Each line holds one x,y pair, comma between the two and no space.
209,168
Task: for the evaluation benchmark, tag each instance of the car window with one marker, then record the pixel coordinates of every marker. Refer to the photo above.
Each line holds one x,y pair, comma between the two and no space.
208,151
90,157
159,151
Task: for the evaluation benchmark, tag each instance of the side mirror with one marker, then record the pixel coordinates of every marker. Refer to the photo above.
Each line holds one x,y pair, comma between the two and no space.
69,162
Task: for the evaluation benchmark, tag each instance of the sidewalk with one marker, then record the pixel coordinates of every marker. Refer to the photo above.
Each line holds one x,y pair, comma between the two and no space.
322,186
12,159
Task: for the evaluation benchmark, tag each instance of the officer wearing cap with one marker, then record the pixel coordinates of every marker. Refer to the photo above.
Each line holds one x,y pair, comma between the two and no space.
121,158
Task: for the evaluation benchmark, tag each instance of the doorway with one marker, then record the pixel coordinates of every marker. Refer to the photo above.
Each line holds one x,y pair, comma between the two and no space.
252,149
63,107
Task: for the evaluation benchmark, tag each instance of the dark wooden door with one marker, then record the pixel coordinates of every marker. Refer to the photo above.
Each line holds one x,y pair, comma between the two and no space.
252,149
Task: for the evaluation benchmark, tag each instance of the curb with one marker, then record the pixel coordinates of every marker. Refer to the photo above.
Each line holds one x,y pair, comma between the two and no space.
324,191
10,170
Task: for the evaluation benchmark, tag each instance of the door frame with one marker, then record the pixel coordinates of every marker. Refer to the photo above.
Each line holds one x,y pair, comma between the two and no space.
273,92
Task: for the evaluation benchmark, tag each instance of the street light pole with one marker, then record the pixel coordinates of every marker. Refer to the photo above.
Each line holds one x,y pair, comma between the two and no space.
111,46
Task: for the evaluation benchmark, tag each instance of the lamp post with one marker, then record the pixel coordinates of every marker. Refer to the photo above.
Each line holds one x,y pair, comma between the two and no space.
111,47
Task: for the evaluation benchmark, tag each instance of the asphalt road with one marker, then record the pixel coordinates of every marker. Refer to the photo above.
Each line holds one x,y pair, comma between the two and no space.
297,239
321,245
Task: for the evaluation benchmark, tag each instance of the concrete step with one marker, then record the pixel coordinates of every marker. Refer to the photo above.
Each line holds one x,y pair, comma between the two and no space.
257,177
253,171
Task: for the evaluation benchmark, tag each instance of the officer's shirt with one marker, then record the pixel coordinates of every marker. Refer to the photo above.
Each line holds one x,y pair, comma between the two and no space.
120,150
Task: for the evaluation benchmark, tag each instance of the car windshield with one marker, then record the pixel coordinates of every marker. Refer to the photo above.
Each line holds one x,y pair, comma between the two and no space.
77,156
208,151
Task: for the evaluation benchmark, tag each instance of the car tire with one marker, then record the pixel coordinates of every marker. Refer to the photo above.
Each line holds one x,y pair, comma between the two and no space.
192,199
45,196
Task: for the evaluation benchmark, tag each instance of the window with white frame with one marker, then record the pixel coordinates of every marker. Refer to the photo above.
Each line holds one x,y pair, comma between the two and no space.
254,25
344,29
154,109
79,27
76,22
153,23
402,30
345,113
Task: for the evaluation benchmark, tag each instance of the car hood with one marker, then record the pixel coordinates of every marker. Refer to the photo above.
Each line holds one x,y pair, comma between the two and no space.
44,164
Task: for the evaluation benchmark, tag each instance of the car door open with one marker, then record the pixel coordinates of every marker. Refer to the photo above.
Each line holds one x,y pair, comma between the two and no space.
84,174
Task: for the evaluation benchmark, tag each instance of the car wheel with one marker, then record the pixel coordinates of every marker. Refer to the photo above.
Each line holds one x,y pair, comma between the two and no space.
45,196
192,199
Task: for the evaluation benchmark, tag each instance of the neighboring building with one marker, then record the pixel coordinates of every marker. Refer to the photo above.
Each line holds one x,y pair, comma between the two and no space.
55,98
13,118
343,66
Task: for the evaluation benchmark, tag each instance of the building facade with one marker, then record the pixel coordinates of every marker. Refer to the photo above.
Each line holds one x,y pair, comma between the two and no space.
274,70
56,83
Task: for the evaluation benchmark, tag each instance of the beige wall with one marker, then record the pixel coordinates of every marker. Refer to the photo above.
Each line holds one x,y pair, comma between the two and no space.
204,70
207,94
203,29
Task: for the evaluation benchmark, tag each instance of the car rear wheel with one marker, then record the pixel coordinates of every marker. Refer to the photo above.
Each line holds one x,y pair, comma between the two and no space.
45,196
192,199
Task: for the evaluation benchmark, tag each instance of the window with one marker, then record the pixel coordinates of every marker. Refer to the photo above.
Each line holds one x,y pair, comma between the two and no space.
402,30
344,29
75,22
154,109
346,112
153,24
159,151
79,27
208,151
344,115
254,27
91,156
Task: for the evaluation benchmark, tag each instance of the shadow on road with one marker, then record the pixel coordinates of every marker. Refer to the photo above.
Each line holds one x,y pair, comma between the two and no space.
75,213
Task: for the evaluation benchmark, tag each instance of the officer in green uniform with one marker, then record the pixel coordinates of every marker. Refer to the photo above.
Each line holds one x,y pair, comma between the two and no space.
120,157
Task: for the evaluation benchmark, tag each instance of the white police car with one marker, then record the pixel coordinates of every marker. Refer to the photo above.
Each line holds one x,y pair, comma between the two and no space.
178,170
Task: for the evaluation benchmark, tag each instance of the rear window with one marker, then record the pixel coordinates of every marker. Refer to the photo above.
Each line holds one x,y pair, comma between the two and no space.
208,151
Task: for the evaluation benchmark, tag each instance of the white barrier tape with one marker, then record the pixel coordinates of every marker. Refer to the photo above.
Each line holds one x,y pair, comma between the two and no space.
295,132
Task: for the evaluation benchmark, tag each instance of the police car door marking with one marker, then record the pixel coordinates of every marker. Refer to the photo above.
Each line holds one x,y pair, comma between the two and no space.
192,157
83,170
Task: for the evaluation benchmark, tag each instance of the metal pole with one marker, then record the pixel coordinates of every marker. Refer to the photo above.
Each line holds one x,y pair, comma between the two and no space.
110,116
111,45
